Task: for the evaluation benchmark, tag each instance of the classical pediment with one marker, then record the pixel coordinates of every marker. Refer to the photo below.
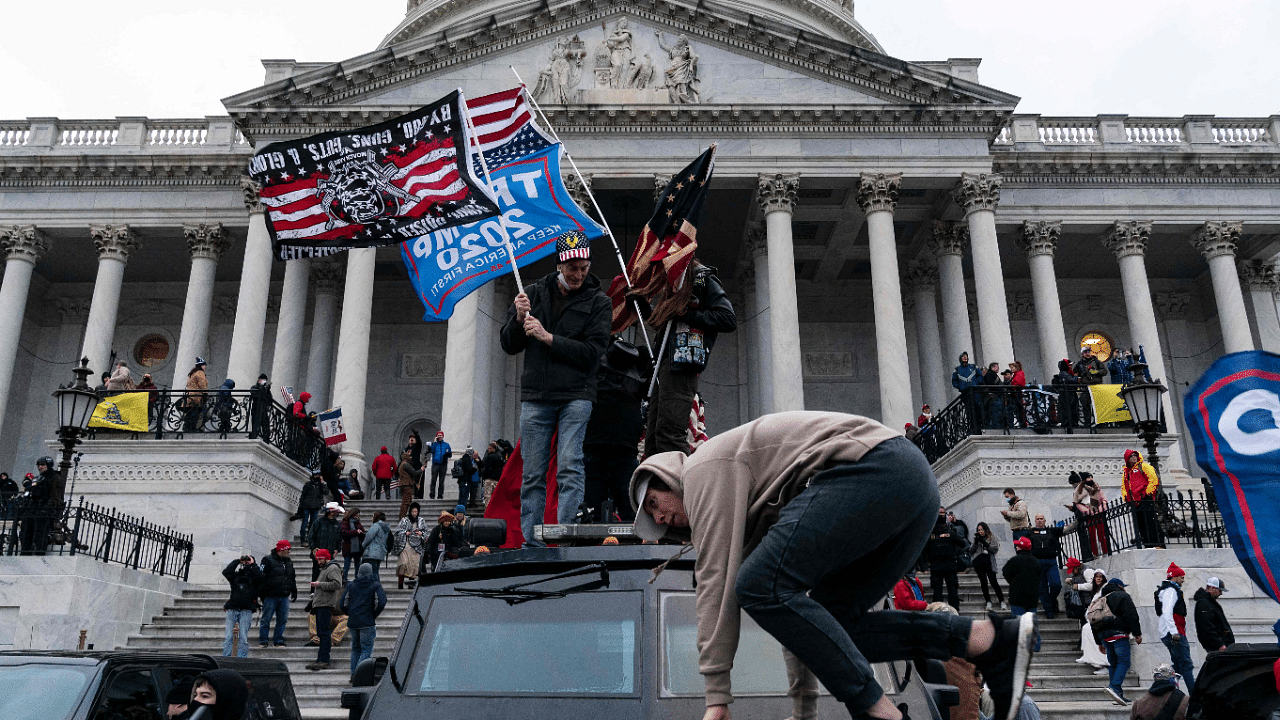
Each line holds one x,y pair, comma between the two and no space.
615,57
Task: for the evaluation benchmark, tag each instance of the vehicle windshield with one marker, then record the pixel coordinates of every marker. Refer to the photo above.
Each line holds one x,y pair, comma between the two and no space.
42,691
758,667
581,644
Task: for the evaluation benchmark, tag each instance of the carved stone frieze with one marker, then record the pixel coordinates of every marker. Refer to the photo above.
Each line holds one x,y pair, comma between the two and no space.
878,191
1021,305
1128,237
23,242
190,474
828,364
206,240
683,83
114,242
251,188
949,238
1172,305
1217,238
778,192
920,274
978,191
224,308
558,79
273,308
757,240
660,182
1040,237
579,187
421,366
73,311
328,276
1259,275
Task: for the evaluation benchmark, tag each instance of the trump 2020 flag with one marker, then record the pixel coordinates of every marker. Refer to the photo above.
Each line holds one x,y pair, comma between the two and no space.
122,412
1233,414
448,265
378,185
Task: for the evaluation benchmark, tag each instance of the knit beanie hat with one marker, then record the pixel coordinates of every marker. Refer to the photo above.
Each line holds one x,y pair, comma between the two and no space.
1174,571
573,245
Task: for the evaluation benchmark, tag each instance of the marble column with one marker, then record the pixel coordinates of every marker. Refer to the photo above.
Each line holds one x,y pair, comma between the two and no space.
206,243
749,341
327,276
1263,282
352,375
22,246
759,248
877,196
978,195
949,244
1039,240
245,362
1217,241
922,279
777,196
114,243
464,414
286,360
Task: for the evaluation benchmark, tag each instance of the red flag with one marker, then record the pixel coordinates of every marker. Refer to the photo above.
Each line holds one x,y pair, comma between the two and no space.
505,502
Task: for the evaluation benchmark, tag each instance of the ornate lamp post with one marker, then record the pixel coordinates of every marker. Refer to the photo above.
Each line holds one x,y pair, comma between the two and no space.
1143,400
76,402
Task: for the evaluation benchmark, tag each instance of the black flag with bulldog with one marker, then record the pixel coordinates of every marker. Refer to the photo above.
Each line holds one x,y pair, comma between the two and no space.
379,185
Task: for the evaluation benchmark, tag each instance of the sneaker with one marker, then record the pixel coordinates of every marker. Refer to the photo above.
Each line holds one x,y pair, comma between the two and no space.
1005,664
906,713
282,644
318,666
313,643
1004,606
1102,671
1116,696
988,606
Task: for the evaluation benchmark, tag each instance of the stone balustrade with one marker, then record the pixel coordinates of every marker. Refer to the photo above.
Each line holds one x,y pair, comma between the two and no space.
54,135
1102,132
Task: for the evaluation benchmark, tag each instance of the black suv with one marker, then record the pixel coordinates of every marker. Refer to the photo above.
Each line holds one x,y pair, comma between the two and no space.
578,632
127,685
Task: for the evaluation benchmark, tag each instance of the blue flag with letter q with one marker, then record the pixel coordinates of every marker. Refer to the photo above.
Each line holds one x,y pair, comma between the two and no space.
448,265
1233,414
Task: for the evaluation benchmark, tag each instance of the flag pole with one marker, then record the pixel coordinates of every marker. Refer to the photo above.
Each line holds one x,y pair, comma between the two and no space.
484,165
622,262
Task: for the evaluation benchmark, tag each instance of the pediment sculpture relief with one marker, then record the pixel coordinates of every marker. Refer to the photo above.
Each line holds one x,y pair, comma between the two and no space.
619,72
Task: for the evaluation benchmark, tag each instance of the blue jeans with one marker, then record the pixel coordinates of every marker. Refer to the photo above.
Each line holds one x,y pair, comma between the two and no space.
837,549
538,423
245,618
464,492
1180,654
279,607
361,645
348,561
1018,610
308,519
1118,657
1050,586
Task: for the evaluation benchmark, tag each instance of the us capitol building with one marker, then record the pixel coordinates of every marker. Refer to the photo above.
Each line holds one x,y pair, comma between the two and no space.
871,217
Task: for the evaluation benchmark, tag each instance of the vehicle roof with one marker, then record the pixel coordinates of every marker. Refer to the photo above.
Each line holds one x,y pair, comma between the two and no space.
559,559
96,657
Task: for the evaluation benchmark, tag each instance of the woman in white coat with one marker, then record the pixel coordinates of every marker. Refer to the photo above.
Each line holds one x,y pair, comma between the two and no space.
1090,655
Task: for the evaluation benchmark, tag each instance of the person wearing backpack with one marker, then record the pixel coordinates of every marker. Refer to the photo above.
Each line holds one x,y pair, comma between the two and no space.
1114,619
1092,583
1171,610
377,542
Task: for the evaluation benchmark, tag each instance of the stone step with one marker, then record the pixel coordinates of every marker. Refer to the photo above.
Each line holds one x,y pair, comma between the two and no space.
1050,682
1043,694
1080,709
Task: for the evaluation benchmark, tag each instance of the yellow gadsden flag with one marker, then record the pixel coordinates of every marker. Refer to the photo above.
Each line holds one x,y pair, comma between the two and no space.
122,412
1108,406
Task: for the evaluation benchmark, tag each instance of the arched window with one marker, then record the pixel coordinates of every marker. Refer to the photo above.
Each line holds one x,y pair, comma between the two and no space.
151,350
1101,345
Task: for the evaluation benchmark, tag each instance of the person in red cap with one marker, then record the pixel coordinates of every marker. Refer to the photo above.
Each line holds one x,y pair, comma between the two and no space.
1139,485
1022,572
1171,613
325,593
383,469
279,588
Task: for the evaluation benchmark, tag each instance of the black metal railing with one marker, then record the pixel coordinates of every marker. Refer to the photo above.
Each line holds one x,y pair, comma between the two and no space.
1002,409
1169,519
99,532
225,413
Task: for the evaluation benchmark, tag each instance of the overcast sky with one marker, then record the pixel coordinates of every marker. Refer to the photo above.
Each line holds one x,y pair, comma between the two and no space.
96,59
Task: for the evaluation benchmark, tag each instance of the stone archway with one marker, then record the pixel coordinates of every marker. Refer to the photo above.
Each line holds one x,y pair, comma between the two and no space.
426,429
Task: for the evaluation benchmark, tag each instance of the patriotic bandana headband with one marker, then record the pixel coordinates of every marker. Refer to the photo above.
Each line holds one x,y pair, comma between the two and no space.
571,245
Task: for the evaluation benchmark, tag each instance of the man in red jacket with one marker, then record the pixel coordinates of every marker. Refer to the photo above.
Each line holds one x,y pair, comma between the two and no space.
384,468
908,594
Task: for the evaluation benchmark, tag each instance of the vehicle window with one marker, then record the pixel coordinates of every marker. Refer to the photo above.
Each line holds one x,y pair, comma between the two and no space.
41,692
269,697
130,695
758,668
581,644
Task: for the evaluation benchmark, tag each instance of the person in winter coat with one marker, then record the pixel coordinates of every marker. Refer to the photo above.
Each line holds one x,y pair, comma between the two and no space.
411,541
926,416
1088,585
35,507
1089,368
469,469
375,543
8,488
224,404
383,469
121,380
1046,545
325,534
224,692
1022,572
960,526
943,552
1089,504
193,401
690,338
440,454
299,409
363,601
1212,629
1067,385
561,324
326,592
491,472
908,594
244,575
1139,485
983,555
260,408
353,532
1171,613
406,480
446,539
964,378
1163,700
310,502
153,394
1017,514
279,587
805,521
1112,635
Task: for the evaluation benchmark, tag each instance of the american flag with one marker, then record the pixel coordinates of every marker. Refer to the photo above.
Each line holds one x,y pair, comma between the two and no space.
505,129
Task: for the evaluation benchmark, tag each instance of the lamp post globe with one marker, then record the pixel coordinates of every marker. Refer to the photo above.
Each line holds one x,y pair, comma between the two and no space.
76,402
1143,398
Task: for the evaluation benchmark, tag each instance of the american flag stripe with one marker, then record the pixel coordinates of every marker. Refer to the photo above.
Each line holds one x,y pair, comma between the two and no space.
499,119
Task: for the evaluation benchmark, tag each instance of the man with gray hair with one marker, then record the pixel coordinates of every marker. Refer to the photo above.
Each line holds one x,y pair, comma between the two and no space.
1163,699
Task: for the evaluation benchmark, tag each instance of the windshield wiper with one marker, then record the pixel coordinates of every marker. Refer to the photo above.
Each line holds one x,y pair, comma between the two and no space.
521,592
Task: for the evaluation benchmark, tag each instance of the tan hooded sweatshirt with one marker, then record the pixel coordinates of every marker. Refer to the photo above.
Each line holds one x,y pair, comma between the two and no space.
733,488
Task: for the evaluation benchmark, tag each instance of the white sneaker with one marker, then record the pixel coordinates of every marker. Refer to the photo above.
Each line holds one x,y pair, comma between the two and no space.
1004,606
1116,697
988,606
1102,671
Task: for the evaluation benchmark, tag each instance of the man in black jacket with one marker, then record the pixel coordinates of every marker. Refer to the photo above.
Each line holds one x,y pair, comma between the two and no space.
1022,572
1212,629
279,588
561,324
326,534
943,551
689,339
1046,544
614,431
1112,634
260,408
38,507
244,575
1089,368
